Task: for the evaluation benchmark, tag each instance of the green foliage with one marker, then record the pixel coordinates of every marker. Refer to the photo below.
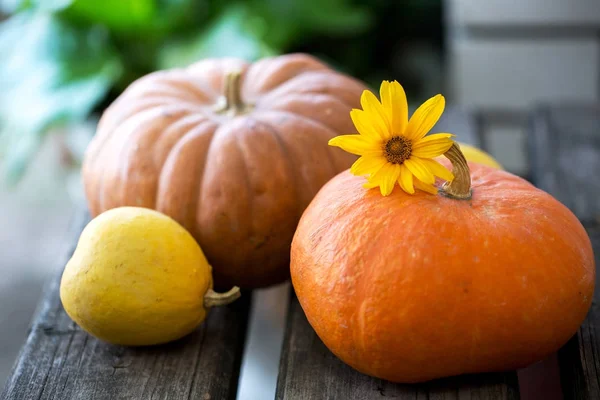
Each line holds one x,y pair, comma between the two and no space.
135,19
50,73
61,60
236,32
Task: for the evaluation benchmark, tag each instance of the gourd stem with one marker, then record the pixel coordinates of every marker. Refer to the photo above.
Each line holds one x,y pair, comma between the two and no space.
214,299
232,92
460,186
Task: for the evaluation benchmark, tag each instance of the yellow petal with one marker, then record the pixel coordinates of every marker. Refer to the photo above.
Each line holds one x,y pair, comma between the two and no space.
374,180
386,178
433,137
406,180
356,144
438,169
425,117
395,105
367,165
432,148
370,184
419,170
376,114
425,187
365,126
389,180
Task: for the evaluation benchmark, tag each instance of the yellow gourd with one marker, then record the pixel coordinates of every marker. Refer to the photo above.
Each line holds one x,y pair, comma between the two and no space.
479,156
137,277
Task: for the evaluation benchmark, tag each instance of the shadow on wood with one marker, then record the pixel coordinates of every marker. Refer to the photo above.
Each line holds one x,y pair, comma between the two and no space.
61,361
579,359
564,149
309,370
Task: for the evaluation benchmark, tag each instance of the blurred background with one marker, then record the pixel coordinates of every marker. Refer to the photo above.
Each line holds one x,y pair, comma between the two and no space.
63,61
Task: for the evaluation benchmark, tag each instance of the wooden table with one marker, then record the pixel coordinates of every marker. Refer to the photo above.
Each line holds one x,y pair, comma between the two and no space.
60,361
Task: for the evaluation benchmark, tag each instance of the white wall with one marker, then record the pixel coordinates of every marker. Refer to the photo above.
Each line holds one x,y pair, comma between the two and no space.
506,56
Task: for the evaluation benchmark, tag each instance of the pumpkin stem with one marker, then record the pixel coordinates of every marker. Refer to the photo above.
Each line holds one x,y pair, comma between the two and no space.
460,187
231,101
214,299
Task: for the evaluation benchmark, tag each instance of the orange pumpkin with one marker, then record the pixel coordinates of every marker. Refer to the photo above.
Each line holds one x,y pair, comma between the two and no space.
410,288
233,151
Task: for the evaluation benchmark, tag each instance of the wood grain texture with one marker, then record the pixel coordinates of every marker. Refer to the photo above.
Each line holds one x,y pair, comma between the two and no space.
60,361
564,151
579,359
309,371
564,148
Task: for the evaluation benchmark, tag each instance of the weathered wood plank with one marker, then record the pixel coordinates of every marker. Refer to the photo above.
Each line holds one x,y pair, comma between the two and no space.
308,370
564,152
60,361
579,359
564,147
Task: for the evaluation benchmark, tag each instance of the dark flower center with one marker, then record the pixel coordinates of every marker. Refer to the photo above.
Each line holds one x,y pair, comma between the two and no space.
398,149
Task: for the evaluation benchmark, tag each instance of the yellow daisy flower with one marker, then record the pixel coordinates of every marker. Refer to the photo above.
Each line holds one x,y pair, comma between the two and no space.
394,148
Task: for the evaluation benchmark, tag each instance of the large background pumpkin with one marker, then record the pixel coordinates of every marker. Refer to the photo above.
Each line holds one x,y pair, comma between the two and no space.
232,151
415,287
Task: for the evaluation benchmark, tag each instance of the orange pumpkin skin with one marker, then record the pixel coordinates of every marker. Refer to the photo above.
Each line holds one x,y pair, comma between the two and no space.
237,180
413,288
